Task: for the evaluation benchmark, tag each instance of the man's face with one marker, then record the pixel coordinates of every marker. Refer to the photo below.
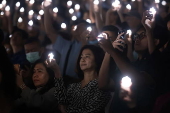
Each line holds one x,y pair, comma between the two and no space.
141,42
112,35
17,39
32,47
133,21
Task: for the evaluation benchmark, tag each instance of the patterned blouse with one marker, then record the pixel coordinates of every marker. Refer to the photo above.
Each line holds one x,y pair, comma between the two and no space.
89,99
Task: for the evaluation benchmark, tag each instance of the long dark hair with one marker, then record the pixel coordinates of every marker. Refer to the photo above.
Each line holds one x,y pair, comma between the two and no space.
50,82
98,56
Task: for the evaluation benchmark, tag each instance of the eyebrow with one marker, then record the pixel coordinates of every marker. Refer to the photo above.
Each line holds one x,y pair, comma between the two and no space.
38,69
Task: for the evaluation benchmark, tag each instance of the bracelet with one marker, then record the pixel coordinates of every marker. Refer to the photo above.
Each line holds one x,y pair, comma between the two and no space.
23,86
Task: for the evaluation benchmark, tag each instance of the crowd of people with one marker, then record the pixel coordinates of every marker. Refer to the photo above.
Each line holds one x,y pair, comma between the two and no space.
84,56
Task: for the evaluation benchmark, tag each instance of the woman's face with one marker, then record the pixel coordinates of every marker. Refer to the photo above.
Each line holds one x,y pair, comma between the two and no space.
87,61
40,76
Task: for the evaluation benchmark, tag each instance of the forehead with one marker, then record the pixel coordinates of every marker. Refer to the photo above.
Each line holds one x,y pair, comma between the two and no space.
39,66
87,51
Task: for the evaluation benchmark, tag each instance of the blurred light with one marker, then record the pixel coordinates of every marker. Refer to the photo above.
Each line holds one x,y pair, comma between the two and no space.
74,18
71,11
126,82
129,32
77,7
30,23
21,10
99,37
133,0
164,3
31,12
116,3
1,6
69,3
32,2
128,6
63,26
17,4
42,3
88,20
4,2
103,0
75,27
55,10
152,10
10,36
96,2
2,13
49,0
51,56
157,1
20,20
7,8
41,12
89,29
38,17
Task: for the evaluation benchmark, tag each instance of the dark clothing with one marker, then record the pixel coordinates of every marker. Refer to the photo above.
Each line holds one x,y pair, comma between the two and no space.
19,58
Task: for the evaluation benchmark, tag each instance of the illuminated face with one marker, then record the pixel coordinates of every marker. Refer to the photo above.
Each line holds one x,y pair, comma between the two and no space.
40,76
16,39
141,42
87,61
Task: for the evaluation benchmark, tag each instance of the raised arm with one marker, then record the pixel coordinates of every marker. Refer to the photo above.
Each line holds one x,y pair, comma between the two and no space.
49,29
105,83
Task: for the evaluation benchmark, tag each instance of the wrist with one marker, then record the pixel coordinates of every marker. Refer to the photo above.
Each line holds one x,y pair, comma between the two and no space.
23,86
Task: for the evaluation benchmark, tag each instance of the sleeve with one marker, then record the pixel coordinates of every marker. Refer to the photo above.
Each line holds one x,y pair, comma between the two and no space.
60,43
96,103
61,93
34,99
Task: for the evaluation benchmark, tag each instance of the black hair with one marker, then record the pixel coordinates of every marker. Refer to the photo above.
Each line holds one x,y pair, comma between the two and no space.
23,33
50,82
1,36
111,28
98,55
31,40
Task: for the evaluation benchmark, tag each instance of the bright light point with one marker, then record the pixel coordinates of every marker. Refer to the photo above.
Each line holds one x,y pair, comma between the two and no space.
74,18
7,8
129,32
63,26
21,10
1,6
133,0
31,12
71,11
4,2
38,17
128,6
77,7
116,3
55,10
42,3
126,82
88,20
157,1
2,13
32,2
164,3
17,4
89,29
103,0
75,27
99,37
30,23
49,0
69,3
96,2
10,36
51,56
41,12
20,20
152,10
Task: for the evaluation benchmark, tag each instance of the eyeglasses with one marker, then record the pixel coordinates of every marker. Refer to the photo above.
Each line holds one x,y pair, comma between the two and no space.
139,36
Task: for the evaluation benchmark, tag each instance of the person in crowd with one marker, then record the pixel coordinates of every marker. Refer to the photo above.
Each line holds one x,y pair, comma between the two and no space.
68,50
141,74
7,81
85,96
40,99
17,42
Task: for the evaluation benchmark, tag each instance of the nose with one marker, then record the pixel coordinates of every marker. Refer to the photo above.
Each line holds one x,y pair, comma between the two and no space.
82,59
35,75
